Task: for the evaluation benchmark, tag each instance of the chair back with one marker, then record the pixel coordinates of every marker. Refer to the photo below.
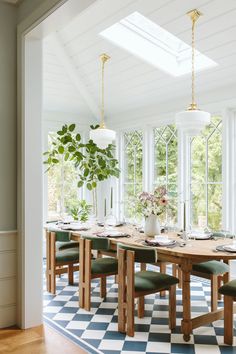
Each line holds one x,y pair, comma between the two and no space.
98,243
62,236
141,254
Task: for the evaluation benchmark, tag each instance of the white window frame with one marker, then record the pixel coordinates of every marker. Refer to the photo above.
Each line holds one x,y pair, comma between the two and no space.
153,153
206,182
228,167
120,155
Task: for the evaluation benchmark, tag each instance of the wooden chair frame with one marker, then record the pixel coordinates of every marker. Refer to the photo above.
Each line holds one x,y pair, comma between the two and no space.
228,319
85,275
53,269
127,294
216,282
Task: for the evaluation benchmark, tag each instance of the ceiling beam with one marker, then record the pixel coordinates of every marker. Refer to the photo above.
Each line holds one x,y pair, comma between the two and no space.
74,76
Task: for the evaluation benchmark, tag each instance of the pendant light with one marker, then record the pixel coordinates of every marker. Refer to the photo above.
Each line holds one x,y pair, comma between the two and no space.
193,120
102,136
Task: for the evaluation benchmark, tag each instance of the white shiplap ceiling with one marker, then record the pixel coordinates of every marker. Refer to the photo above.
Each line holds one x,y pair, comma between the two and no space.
72,67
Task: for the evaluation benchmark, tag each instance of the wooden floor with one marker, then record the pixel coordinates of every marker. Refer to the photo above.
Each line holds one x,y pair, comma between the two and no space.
39,340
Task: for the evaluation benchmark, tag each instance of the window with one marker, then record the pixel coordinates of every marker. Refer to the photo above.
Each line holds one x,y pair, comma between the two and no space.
133,171
62,187
206,177
165,167
152,43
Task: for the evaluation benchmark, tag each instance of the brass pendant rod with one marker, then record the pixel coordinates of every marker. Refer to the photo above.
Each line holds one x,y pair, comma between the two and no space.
194,15
104,57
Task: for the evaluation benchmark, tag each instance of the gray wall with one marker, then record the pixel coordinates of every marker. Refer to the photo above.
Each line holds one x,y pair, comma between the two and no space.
8,162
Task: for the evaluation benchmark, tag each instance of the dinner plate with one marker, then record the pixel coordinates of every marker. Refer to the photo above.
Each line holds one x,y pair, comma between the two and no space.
71,227
113,234
199,236
229,248
160,243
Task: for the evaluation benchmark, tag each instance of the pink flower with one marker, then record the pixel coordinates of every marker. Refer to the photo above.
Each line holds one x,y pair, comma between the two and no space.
163,201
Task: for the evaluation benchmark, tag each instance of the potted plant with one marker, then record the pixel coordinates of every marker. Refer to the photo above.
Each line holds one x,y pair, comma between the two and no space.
82,211
93,164
151,205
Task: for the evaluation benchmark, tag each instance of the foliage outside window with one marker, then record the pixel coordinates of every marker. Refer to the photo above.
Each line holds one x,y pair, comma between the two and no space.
206,177
133,171
62,186
165,168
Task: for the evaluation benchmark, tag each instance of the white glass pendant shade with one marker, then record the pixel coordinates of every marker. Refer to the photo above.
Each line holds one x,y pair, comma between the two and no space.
102,137
192,122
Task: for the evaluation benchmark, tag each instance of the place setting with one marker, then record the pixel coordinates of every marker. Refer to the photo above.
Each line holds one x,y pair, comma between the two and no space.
161,241
112,233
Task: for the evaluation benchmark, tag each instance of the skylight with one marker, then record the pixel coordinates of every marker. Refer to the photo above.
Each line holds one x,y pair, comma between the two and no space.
153,44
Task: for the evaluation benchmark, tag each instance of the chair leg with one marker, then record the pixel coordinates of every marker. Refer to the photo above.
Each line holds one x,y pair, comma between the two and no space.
87,277
214,292
130,297
53,263
48,261
81,286
219,283
179,271
228,320
53,281
122,292
103,287
172,307
141,307
162,270
70,274
174,270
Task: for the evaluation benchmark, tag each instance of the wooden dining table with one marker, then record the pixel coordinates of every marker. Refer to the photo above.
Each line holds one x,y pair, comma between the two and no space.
195,251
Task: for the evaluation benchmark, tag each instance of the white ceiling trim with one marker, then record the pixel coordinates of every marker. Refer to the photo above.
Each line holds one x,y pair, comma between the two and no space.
73,73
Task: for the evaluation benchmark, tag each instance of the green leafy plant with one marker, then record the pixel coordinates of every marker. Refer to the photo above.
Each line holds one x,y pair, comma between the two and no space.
74,213
84,210
81,211
94,164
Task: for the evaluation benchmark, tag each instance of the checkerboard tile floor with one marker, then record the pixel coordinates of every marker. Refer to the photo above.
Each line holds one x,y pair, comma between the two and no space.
96,331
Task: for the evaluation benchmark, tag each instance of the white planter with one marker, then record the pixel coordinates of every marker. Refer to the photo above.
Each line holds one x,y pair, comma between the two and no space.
152,226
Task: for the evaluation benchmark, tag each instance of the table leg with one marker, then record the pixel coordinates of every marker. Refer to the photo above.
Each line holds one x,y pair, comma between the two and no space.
186,324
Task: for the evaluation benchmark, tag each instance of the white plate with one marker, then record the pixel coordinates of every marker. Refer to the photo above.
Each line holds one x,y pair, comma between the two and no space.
75,227
230,248
113,234
200,236
160,243
162,240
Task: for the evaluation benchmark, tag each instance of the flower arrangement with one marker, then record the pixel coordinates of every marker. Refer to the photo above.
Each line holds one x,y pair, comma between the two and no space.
153,203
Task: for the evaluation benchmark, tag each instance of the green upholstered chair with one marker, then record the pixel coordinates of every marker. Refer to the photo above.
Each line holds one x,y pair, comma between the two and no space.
136,285
94,268
62,257
229,292
216,272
